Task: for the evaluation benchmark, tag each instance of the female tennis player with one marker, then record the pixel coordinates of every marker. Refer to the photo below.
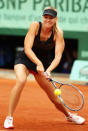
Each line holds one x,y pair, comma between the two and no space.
41,38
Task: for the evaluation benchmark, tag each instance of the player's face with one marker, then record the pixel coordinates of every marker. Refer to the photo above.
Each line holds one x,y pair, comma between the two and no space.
48,21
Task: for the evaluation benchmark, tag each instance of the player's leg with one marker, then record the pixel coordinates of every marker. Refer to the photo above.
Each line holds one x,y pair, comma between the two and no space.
49,89
21,77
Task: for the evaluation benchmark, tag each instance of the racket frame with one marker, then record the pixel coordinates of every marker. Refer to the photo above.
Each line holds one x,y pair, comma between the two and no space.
54,81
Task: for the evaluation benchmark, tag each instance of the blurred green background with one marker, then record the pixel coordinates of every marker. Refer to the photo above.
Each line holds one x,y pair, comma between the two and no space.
15,19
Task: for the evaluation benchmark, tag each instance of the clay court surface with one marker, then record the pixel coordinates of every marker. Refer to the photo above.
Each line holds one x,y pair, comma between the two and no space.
35,112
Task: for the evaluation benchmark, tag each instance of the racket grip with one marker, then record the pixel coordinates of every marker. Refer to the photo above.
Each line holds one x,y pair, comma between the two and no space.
50,79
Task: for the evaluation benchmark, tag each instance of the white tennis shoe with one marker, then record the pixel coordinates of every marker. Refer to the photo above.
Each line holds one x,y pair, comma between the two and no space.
8,123
76,119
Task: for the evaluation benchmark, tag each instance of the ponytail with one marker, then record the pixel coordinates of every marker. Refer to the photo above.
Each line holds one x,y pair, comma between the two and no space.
55,27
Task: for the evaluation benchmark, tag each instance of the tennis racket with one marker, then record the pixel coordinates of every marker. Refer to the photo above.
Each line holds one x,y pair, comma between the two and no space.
71,97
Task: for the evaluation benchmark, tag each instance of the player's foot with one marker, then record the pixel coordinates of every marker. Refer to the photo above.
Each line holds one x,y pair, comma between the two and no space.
76,119
8,123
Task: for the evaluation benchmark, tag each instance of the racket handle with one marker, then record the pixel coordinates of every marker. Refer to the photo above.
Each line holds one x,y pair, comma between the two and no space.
50,79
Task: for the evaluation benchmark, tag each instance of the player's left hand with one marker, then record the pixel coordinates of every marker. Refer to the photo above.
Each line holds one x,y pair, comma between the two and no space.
47,74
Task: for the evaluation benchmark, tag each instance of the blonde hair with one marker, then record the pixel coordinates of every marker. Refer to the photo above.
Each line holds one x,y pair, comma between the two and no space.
55,26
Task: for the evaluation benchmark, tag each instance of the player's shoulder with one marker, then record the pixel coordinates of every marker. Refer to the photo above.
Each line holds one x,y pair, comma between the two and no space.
34,24
60,32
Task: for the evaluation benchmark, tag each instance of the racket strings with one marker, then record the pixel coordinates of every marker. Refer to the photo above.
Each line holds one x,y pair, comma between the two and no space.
71,96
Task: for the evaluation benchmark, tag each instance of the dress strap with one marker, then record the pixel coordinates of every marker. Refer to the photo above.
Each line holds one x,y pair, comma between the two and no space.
40,25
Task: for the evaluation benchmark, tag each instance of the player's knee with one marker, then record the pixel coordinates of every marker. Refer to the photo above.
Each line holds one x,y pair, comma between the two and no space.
22,80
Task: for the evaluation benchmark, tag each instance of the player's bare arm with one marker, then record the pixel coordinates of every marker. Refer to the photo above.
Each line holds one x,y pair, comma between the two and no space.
59,48
28,43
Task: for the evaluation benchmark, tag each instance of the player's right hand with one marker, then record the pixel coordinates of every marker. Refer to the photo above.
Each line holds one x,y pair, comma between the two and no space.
47,75
40,68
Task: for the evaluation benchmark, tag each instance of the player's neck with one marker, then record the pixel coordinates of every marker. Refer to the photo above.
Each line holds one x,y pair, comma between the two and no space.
46,29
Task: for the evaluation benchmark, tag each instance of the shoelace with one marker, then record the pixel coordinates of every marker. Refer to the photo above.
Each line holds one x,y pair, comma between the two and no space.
73,114
9,120
70,116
